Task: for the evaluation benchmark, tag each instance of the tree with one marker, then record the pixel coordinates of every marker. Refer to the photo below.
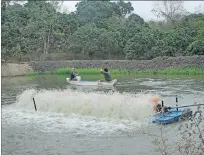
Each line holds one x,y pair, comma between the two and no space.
98,12
133,25
121,8
85,39
96,30
92,42
173,42
93,12
109,45
171,11
40,27
139,46
197,46
15,20
4,4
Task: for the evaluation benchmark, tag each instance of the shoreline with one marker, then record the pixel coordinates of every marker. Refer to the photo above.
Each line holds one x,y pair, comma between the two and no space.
161,65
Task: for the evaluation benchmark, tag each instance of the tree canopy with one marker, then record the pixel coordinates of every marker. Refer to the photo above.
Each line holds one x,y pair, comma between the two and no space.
37,30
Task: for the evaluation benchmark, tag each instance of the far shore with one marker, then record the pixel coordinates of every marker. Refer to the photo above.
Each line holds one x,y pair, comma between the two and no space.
186,65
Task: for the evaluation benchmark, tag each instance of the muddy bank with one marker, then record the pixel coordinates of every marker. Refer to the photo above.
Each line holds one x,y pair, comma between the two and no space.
13,69
157,63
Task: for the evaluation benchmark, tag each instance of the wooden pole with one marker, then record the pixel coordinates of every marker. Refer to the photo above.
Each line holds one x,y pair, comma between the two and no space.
34,104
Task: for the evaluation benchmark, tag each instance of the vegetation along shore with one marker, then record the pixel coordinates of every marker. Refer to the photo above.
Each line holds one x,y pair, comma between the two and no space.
37,30
112,36
190,65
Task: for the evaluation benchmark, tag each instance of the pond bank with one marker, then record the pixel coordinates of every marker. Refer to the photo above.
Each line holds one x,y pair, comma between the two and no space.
160,63
13,69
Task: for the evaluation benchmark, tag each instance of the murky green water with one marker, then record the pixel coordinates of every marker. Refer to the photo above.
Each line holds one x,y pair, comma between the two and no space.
87,120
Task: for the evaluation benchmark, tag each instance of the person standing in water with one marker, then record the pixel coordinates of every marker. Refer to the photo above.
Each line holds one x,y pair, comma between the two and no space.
106,74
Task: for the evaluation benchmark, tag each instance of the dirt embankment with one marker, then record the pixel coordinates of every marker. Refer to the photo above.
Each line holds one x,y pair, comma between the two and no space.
13,69
157,63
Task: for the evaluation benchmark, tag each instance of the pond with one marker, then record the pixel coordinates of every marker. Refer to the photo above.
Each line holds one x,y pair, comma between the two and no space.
88,120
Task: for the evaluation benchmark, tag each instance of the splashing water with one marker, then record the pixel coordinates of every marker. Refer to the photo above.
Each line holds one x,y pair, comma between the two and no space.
97,104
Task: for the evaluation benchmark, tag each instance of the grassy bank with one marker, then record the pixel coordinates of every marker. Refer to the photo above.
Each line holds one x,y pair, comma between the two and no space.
93,71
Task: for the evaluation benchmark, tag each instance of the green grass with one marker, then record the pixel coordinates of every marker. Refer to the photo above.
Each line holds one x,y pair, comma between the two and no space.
93,71
32,73
80,71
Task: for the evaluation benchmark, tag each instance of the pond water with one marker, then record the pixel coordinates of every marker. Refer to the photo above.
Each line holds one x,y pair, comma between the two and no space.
87,120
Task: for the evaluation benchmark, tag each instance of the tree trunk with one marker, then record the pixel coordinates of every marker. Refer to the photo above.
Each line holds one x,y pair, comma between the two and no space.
48,42
45,45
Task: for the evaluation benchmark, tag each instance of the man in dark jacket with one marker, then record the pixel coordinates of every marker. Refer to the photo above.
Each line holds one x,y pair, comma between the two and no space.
73,75
106,74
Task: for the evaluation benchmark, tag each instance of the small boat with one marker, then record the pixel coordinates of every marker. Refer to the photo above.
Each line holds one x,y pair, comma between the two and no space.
91,83
171,116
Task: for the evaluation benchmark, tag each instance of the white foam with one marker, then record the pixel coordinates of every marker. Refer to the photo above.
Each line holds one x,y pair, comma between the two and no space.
80,113
97,104
60,123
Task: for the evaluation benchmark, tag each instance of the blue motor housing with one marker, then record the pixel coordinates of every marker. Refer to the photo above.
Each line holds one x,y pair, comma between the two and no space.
171,116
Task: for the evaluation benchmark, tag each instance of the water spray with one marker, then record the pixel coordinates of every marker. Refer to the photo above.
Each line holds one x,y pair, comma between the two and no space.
113,105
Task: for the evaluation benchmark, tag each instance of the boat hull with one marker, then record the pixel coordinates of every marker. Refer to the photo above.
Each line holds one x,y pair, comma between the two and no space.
91,83
170,117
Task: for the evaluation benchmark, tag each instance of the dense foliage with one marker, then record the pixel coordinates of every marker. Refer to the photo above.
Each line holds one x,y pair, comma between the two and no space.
36,30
